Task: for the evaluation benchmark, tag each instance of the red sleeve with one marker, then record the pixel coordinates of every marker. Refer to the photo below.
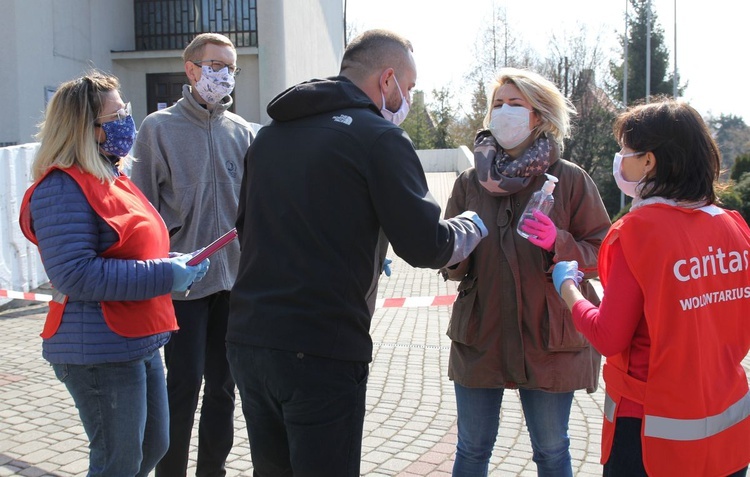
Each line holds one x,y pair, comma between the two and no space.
610,328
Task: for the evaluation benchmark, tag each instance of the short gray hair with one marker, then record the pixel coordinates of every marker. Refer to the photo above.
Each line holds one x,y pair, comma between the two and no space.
374,50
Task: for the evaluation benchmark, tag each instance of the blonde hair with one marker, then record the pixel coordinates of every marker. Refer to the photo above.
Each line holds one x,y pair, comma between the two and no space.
553,109
194,50
67,133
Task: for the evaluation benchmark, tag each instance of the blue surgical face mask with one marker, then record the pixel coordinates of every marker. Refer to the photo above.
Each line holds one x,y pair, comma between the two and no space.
120,136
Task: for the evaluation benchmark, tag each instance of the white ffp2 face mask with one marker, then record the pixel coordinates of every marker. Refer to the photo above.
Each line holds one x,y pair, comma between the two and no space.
510,125
214,85
399,116
628,188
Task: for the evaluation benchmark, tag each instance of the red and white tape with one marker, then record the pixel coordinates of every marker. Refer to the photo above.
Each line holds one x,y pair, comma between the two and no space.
407,302
25,296
439,300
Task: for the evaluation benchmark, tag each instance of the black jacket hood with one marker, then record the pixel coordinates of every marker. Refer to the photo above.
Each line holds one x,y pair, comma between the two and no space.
318,96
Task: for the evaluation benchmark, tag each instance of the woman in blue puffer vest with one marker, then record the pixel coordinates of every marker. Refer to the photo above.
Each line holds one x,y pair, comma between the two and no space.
106,252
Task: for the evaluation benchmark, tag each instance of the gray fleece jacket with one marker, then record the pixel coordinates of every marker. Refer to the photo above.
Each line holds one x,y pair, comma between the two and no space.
189,164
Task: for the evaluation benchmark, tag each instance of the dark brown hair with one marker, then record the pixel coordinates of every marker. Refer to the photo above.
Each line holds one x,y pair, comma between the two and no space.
688,161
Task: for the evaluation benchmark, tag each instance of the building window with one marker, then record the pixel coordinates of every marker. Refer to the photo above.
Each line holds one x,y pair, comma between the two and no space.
172,24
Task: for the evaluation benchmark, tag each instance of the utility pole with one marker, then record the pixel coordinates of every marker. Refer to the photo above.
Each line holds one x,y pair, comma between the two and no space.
674,83
625,82
648,50
625,65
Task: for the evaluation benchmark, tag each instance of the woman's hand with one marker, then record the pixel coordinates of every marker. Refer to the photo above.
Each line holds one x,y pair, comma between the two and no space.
542,231
566,271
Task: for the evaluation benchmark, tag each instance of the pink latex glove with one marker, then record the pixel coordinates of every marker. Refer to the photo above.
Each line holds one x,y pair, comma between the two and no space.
542,231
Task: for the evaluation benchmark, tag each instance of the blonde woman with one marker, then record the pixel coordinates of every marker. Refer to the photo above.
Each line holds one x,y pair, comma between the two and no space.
105,250
509,328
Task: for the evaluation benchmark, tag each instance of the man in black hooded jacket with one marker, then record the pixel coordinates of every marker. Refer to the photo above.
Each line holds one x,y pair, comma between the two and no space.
324,183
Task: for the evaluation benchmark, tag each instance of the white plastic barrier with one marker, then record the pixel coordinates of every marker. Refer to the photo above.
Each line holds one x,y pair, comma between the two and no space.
20,266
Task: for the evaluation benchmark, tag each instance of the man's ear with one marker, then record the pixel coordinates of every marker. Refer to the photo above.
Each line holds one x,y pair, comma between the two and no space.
190,72
385,76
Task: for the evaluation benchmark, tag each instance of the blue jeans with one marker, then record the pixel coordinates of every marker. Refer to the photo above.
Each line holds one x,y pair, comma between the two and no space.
546,417
123,408
304,413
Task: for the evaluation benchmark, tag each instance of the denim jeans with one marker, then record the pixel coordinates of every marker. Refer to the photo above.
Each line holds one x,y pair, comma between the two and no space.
196,356
123,408
626,458
546,417
304,413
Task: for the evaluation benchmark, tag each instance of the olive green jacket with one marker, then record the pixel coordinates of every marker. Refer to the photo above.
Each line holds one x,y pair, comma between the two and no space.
509,327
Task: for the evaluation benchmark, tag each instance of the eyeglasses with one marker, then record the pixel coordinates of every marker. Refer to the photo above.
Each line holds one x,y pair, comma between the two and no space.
121,114
217,66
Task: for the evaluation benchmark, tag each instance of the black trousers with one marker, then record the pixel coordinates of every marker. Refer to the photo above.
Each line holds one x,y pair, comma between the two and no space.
196,354
304,413
626,459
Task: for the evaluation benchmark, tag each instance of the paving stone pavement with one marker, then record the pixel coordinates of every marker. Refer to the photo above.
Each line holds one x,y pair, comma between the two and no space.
410,424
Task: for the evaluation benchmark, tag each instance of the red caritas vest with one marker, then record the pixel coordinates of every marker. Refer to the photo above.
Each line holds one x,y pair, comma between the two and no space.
693,266
142,236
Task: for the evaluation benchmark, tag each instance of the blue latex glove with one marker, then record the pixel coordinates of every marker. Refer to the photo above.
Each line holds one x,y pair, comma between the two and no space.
471,215
566,271
387,267
184,275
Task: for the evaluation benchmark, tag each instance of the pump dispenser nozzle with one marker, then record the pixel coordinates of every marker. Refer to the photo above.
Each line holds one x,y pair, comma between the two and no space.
549,186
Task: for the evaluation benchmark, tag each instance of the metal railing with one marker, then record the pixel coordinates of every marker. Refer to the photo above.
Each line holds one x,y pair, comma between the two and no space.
172,24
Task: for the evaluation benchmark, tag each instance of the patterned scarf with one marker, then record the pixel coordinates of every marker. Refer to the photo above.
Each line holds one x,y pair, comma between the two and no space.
502,175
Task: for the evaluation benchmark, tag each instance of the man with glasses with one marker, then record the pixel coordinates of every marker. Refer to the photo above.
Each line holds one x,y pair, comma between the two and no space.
190,166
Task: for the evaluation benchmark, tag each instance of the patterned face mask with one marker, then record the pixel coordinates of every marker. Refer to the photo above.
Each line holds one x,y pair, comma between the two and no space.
120,136
214,85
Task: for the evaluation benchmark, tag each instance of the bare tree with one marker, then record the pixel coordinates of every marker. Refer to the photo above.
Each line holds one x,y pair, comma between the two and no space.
573,65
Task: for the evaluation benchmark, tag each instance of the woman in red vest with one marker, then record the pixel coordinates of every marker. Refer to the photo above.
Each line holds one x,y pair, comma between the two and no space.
106,252
674,322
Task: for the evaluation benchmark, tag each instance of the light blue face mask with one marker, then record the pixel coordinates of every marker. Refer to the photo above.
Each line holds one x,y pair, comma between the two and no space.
120,136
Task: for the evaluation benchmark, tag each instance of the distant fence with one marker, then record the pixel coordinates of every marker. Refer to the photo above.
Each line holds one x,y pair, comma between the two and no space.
21,267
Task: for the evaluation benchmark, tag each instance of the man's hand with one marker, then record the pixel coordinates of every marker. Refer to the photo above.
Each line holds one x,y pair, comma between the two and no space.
387,267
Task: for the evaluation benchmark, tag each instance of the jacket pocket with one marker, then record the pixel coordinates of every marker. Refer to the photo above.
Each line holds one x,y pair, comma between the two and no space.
561,334
460,327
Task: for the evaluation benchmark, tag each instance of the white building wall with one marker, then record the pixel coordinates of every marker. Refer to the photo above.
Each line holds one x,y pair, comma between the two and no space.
9,74
297,41
51,41
46,42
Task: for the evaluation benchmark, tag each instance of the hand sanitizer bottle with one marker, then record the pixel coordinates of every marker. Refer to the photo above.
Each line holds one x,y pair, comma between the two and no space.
541,200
